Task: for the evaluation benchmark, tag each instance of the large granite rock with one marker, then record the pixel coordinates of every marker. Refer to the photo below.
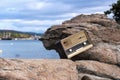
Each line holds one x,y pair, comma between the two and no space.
99,27
102,62
104,33
27,69
99,69
37,70
103,52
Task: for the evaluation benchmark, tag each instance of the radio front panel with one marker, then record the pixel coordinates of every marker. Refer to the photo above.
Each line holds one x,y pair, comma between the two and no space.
76,44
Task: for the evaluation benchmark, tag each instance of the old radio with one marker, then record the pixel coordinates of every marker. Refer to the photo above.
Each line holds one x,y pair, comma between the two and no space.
75,44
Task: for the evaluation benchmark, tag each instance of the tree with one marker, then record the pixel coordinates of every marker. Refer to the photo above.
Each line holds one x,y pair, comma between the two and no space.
115,10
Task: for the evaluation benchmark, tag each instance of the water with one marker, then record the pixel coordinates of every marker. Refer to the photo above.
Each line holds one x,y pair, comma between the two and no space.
26,49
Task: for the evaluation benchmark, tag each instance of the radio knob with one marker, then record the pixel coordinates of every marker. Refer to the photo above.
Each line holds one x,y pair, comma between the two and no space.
70,50
84,43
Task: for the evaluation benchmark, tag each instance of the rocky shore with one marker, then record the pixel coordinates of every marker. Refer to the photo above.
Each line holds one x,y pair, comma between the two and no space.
13,69
102,62
59,69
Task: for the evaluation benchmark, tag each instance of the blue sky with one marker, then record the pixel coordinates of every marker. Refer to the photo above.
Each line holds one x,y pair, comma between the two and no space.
39,15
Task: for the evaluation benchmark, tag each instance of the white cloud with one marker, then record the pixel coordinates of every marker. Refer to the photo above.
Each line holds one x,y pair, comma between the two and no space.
8,26
30,22
69,15
37,5
31,29
38,15
28,25
92,10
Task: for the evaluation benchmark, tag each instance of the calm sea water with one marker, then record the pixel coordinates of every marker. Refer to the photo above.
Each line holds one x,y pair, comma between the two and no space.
26,49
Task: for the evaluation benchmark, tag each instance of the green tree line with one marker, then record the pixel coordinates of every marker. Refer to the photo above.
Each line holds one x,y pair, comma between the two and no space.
15,35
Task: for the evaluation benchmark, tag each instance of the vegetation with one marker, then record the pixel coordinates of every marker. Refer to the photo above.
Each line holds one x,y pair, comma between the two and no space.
115,10
20,35
16,34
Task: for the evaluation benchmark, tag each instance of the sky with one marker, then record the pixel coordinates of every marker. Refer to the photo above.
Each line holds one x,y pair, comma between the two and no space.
39,15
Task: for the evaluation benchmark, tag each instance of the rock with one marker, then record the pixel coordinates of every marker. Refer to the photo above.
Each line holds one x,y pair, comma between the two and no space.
13,69
99,27
102,62
86,78
101,30
83,76
100,19
102,52
99,69
106,53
